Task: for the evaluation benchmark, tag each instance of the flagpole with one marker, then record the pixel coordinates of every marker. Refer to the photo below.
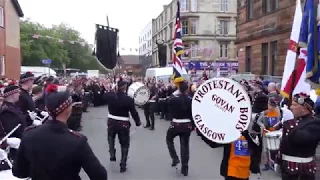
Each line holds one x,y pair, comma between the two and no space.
107,18
294,73
315,34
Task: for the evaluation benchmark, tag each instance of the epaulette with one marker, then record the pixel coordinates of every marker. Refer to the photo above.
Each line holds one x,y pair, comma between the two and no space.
30,128
75,133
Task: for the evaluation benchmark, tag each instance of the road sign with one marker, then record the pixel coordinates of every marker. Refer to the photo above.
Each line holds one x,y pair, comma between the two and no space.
46,61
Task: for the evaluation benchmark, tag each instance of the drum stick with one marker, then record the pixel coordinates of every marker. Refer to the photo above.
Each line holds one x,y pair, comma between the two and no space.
277,124
9,163
10,133
267,130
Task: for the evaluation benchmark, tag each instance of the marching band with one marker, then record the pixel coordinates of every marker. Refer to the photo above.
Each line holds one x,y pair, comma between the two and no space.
40,120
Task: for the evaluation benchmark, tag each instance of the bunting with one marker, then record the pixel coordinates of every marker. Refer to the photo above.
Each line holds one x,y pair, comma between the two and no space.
82,43
37,36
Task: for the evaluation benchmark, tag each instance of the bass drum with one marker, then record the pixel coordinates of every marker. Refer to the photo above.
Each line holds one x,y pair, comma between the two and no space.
139,92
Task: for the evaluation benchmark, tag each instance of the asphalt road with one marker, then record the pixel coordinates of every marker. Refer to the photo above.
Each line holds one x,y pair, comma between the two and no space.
149,157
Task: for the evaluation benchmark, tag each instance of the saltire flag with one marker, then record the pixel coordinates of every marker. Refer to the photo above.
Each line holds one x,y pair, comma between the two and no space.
310,41
178,68
294,75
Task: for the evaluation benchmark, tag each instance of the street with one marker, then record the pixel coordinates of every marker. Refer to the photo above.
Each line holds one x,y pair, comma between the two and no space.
149,157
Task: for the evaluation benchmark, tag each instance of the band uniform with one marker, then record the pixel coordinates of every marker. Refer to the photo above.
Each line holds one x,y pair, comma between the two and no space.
119,106
181,125
149,107
52,151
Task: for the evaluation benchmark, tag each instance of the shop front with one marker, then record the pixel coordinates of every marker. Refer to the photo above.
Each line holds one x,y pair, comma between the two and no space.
214,68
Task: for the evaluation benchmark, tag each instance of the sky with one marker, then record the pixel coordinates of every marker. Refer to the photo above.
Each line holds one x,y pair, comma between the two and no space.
129,16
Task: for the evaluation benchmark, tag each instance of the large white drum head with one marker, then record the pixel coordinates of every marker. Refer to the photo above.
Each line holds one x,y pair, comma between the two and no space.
7,175
139,92
221,110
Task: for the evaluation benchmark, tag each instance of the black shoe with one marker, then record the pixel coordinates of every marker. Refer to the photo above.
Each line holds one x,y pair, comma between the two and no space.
151,128
113,155
161,117
124,157
123,169
147,126
113,158
175,162
184,170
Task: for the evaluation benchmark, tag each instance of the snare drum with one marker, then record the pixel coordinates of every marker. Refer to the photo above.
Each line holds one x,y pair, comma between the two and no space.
139,92
273,140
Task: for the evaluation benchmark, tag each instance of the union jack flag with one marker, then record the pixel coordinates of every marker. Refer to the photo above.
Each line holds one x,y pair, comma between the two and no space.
178,68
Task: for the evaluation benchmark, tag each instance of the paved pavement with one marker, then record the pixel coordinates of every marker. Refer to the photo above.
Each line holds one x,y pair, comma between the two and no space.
149,157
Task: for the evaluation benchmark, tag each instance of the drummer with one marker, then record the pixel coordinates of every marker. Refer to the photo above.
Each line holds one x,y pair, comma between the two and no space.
236,163
268,120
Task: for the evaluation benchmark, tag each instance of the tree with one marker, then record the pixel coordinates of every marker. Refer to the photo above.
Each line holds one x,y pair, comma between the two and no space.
72,55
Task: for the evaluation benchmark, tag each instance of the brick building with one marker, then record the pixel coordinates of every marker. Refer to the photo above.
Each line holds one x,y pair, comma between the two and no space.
10,55
130,63
263,32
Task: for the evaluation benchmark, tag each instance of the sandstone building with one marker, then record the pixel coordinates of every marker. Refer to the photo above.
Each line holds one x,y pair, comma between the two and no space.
263,32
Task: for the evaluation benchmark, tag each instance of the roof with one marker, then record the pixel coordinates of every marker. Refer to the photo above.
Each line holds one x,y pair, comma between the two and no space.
129,59
17,7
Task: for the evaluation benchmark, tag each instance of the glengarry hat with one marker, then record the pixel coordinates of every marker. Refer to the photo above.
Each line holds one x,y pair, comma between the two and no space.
26,77
10,90
57,102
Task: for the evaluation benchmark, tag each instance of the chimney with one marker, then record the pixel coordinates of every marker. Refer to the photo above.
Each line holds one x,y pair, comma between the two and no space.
165,7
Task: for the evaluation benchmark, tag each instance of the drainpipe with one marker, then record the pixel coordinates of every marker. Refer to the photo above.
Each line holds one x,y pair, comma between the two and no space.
5,36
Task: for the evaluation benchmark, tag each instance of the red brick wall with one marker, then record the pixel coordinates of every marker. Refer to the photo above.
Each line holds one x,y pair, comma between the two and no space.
12,55
13,62
264,28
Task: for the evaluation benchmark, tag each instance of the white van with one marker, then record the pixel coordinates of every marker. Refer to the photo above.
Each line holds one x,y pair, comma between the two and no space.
164,74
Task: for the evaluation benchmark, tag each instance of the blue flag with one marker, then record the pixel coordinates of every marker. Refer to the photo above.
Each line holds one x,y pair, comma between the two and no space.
309,42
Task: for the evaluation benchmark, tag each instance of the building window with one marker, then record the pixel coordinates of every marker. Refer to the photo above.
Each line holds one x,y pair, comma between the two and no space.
194,5
186,51
224,5
193,26
1,17
223,49
3,66
269,6
184,27
171,52
194,50
274,55
165,34
248,59
184,5
224,26
171,30
265,57
165,17
249,9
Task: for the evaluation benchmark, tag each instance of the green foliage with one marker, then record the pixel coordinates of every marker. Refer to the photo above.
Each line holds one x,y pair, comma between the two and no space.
72,55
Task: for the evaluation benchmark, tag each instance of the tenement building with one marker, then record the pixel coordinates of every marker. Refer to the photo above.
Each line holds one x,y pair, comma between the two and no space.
263,32
145,46
208,33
